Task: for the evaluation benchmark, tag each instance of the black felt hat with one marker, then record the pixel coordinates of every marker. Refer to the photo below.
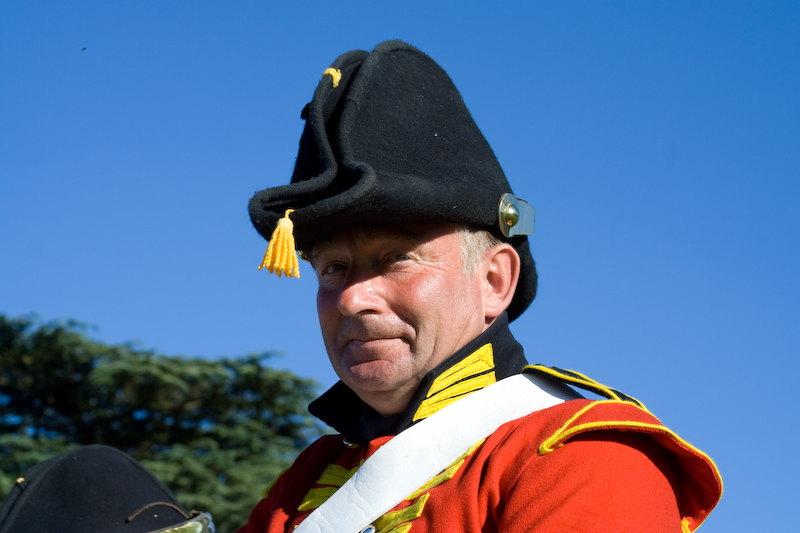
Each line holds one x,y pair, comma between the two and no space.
95,489
389,140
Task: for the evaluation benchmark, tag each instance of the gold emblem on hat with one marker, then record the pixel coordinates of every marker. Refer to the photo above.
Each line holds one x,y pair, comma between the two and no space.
515,216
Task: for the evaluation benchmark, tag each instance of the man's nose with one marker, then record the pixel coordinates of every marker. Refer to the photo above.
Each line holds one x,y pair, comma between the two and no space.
359,294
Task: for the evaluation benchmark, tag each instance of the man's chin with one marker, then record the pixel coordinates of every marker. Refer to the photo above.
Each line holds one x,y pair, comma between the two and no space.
366,350
376,375
373,377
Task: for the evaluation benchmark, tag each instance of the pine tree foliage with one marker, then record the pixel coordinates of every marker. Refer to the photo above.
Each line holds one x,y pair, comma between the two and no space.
216,432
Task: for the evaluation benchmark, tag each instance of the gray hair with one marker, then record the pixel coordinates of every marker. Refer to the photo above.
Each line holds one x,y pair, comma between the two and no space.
475,242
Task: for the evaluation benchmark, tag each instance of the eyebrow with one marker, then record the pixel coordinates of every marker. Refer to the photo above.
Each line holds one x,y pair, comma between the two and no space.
369,233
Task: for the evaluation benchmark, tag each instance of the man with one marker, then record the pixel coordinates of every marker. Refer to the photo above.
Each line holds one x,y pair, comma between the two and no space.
422,259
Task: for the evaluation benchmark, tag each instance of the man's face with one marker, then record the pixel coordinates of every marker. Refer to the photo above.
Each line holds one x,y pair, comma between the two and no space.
393,303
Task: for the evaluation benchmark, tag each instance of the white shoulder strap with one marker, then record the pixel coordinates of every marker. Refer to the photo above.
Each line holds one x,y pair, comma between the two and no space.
416,455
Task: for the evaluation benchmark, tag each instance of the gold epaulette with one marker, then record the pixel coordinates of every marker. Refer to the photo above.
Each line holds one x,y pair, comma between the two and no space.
570,377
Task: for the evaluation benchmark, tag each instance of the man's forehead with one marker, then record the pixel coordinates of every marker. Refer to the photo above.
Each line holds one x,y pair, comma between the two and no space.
407,233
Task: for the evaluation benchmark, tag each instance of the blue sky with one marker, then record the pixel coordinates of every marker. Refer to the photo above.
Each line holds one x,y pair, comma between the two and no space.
658,141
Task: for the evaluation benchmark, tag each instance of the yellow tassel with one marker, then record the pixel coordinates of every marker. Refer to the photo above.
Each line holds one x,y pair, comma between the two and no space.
335,74
281,256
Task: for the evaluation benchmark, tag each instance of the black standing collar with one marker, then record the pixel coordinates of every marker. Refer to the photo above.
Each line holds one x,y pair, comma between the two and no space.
491,356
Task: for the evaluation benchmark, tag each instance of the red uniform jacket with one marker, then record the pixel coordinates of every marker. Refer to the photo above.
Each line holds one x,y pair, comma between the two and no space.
579,466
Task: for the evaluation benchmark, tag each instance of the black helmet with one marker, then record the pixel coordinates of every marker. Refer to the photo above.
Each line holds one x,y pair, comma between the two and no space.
95,489
388,140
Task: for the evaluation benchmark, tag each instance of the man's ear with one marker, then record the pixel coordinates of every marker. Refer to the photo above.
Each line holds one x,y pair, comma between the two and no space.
500,272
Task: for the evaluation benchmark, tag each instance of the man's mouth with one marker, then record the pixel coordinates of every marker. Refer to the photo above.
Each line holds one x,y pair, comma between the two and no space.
364,335
371,348
370,341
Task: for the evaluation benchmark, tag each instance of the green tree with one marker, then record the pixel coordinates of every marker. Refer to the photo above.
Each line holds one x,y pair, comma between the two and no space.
216,432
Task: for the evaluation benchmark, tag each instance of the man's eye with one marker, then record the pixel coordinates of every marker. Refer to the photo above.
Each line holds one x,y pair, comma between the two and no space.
333,268
401,257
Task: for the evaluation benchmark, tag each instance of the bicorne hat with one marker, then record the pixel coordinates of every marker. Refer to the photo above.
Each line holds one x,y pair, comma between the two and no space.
95,489
389,140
